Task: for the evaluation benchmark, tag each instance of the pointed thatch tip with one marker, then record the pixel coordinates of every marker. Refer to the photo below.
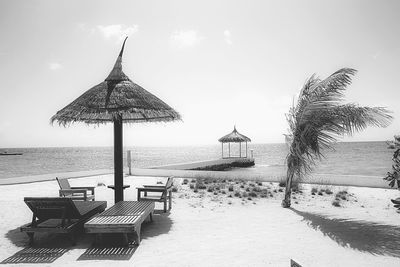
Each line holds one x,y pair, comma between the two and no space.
116,73
123,46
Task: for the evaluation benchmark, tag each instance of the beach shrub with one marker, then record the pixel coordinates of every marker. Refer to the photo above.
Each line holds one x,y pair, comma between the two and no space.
394,177
336,203
191,186
210,189
200,185
237,194
193,181
230,188
174,189
282,183
320,193
259,183
242,186
256,189
185,181
341,195
195,190
245,194
215,193
328,191
280,190
247,189
314,190
252,194
223,192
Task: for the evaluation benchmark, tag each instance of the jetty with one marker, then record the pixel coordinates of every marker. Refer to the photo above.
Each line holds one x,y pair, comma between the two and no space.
210,165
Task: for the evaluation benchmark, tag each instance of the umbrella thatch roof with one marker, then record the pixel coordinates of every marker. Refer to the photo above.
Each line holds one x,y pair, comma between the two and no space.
234,137
116,98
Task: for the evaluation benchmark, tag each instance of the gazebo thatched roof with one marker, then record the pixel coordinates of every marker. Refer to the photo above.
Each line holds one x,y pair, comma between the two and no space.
116,98
234,137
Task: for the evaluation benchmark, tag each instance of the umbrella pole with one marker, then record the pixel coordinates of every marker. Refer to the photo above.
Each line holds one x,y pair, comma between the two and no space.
118,161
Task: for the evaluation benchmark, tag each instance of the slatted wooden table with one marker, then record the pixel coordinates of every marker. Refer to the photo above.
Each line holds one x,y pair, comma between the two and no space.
124,217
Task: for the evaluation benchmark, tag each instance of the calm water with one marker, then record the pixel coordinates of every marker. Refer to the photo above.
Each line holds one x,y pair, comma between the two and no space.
359,158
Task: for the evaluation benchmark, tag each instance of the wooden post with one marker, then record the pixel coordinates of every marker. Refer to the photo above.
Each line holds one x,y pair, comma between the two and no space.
118,161
222,143
129,161
229,149
246,149
240,149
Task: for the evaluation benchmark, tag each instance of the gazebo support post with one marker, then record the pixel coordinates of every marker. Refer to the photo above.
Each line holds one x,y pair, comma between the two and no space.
246,149
229,149
240,149
222,149
118,161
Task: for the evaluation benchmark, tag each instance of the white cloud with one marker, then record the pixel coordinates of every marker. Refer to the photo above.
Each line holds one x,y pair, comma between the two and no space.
117,31
55,66
185,38
227,35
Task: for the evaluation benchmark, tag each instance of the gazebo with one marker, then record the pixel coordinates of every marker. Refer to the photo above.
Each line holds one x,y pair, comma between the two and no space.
234,137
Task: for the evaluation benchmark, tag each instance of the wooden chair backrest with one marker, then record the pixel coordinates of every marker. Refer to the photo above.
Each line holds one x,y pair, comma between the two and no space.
169,182
52,207
63,183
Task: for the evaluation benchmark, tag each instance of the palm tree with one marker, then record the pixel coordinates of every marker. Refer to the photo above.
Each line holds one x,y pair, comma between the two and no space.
319,118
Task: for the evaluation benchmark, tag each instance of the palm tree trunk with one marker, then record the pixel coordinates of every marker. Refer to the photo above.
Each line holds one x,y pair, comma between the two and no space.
288,189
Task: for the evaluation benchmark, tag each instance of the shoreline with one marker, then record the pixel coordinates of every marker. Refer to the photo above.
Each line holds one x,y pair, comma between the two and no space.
265,174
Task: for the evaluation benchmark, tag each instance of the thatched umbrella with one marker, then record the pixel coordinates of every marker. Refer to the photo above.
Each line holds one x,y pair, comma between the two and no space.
116,100
234,137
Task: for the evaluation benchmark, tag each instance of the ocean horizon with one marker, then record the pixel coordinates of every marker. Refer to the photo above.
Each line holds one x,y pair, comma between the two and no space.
347,158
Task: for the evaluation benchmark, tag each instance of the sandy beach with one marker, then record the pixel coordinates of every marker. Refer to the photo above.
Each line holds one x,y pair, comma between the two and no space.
213,229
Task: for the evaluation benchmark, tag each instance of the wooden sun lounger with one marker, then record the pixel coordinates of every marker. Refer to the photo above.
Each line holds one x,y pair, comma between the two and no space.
165,190
76,193
124,217
59,215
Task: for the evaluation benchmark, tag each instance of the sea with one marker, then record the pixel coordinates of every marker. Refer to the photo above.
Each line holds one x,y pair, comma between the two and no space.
347,158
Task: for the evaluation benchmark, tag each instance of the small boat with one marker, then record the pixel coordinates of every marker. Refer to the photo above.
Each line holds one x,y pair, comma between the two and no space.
5,153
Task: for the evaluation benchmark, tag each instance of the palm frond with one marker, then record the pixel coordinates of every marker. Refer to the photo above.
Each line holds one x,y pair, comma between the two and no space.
319,118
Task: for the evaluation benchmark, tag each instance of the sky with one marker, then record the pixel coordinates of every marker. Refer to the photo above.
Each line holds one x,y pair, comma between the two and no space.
218,63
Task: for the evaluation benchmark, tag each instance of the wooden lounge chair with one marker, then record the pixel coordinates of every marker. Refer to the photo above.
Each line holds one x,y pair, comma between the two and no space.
165,190
59,215
76,193
124,217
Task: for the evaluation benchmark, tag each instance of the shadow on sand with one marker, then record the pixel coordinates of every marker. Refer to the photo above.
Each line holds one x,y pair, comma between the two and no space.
49,247
111,247
374,238
46,249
